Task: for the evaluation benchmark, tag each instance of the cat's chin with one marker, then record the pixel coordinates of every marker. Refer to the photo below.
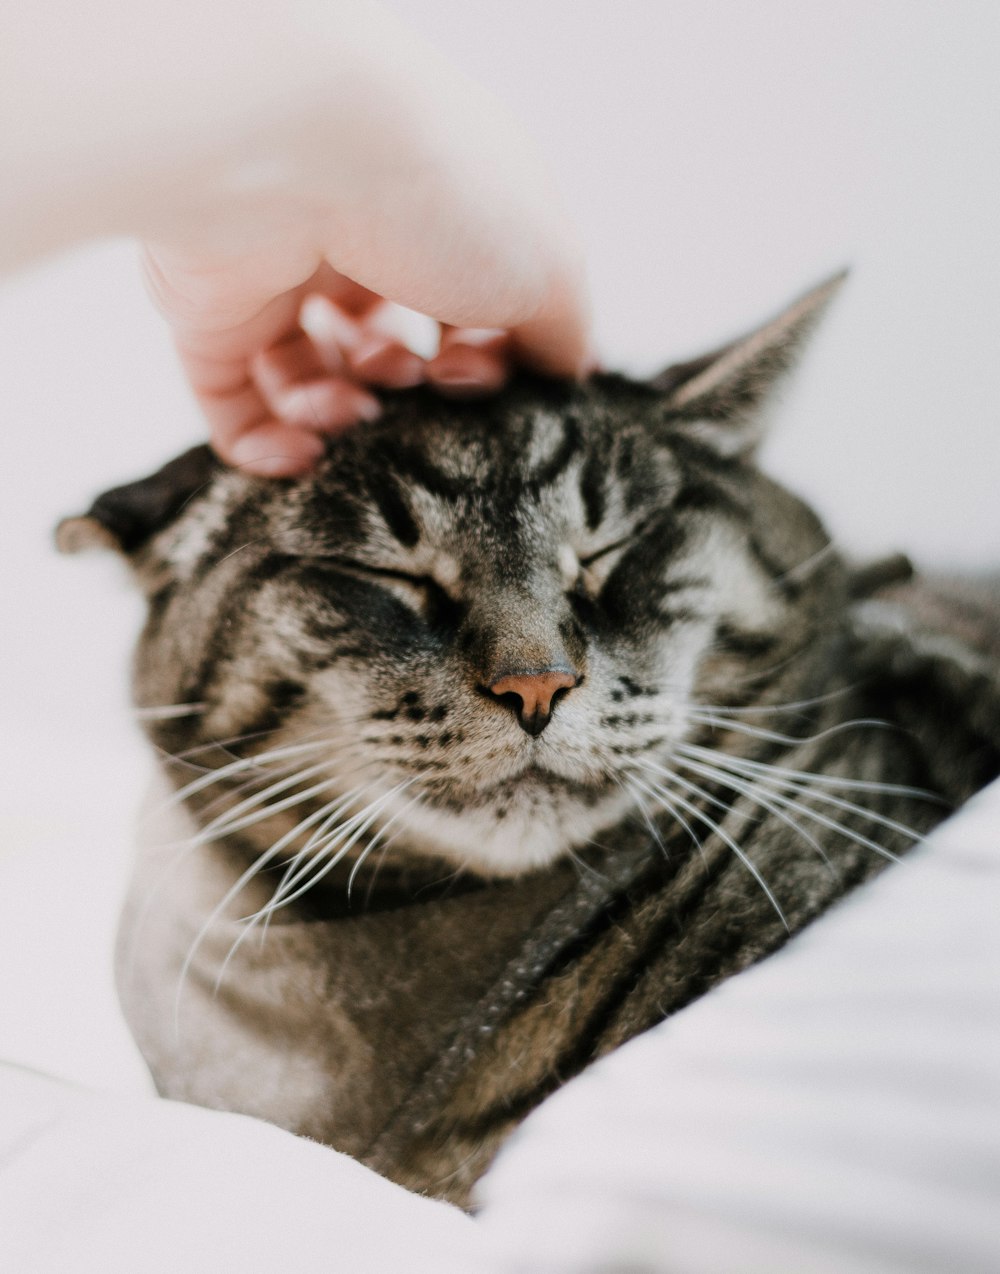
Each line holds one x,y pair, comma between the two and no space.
527,828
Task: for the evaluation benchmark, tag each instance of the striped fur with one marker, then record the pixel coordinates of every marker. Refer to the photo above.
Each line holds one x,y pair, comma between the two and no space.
470,913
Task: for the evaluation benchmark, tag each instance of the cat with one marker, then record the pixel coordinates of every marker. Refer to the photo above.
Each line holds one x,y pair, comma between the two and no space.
506,733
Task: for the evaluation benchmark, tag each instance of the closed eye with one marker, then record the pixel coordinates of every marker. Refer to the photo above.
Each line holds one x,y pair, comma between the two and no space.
608,548
353,567
383,573
422,593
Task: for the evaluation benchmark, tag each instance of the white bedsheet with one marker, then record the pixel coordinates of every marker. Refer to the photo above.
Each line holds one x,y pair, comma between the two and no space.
834,1109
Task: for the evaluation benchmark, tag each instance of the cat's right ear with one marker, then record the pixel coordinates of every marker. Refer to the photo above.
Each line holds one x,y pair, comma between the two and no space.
126,517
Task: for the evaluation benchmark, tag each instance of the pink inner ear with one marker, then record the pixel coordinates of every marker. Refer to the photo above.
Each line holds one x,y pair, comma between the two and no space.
671,378
772,347
723,394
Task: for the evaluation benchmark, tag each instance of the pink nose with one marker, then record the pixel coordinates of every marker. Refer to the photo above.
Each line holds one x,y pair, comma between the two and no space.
532,694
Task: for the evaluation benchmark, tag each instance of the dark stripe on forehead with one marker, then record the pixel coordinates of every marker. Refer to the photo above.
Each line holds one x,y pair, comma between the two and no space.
699,492
704,479
395,510
592,490
625,460
549,470
412,465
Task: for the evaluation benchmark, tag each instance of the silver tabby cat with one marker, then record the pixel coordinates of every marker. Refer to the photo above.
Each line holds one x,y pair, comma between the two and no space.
507,732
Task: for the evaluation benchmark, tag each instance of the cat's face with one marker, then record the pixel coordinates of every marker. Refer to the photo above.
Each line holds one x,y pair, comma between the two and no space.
486,617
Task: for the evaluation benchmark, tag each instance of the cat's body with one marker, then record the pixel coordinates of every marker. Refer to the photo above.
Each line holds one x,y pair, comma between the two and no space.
508,679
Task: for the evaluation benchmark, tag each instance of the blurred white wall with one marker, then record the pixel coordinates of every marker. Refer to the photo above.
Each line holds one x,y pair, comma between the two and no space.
719,156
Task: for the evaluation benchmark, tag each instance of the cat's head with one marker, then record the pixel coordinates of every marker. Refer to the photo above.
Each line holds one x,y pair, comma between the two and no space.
491,615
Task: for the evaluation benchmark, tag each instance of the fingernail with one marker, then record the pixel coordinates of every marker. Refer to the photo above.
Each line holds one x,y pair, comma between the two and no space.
328,324
466,372
387,365
485,338
368,408
462,387
276,451
306,404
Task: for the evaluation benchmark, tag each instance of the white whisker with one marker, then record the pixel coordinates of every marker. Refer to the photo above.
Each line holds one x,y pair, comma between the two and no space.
808,812
660,792
232,820
797,705
225,746
803,784
259,816
235,889
771,736
822,780
376,840
241,766
303,860
254,783
283,897
357,826
752,791
636,783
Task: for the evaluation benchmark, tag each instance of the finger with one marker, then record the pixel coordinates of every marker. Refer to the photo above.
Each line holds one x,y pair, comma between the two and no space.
273,450
371,355
250,425
221,359
556,340
325,406
332,330
350,297
382,360
294,359
471,362
488,338
218,366
296,386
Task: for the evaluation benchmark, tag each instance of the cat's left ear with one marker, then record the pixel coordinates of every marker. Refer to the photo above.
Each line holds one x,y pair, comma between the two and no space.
124,518
721,398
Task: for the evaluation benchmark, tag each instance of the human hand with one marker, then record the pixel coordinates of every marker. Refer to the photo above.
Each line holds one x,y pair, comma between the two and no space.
303,367
394,178
268,151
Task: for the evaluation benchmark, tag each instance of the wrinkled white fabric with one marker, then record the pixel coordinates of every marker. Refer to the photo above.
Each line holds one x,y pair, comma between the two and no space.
94,1185
835,1110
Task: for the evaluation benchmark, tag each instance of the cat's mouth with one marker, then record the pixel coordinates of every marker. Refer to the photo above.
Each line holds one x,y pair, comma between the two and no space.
544,776
520,822
533,782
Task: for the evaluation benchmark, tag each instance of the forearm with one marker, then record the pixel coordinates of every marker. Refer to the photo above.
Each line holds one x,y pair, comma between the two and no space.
155,119
111,111
272,151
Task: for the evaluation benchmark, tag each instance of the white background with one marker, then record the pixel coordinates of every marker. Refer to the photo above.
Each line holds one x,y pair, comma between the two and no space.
719,157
